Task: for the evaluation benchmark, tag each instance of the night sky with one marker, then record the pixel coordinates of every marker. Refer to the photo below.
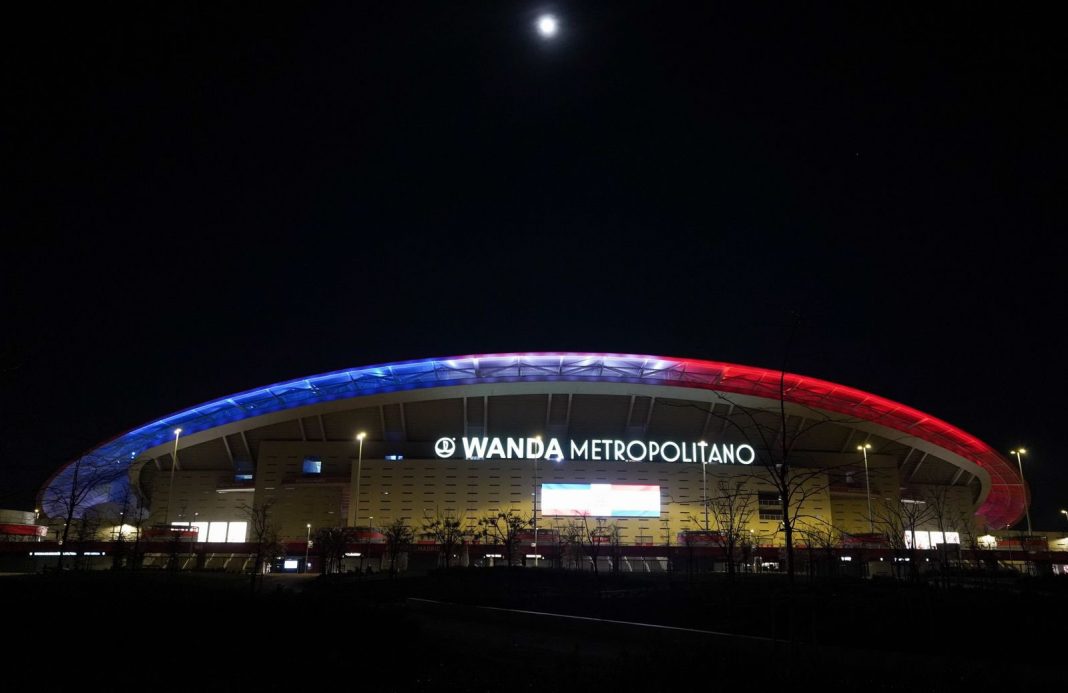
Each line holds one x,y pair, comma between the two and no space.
203,200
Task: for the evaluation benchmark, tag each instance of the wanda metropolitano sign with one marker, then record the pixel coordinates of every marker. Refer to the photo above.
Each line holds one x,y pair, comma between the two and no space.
594,450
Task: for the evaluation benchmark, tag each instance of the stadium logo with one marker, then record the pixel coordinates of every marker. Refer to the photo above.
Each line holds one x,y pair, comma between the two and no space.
445,447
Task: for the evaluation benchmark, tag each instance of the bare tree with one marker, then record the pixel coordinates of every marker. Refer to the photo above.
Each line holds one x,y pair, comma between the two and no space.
820,538
447,531
592,538
570,533
265,537
774,435
86,483
119,541
143,501
503,528
399,537
901,519
969,536
941,506
612,537
330,544
731,507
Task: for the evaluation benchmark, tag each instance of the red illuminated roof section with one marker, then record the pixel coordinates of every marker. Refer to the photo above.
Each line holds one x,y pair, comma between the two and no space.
1004,505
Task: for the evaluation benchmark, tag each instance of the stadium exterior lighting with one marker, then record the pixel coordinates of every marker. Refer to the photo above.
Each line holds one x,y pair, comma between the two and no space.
867,484
359,465
174,463
1027,506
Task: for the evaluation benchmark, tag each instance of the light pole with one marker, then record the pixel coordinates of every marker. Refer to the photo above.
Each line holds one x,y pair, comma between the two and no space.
704,488
1065,513
359,466
170,491
535,544
307,547
1027,506
195,534
867,484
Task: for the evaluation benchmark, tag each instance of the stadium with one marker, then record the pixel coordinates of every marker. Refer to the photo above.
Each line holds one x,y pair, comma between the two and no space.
640,452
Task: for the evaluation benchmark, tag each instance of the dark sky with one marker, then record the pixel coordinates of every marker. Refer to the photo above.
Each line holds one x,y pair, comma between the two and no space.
203,200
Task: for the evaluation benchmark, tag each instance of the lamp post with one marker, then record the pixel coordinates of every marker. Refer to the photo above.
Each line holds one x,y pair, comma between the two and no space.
195,533
359,466
535,544
704,487
307,547
867,484
170,491
1065,513
1027,506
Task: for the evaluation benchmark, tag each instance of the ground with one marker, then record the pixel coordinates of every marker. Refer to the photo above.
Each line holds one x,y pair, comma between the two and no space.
162,631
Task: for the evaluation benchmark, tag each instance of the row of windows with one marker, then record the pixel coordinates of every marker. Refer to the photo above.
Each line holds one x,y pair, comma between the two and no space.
218,532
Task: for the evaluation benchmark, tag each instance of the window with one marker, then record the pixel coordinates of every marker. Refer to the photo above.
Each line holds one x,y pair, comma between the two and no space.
217,532
313,465
770,506
237,532
242,469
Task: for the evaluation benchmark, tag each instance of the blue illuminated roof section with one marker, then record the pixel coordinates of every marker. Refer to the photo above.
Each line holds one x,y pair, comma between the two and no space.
1003,506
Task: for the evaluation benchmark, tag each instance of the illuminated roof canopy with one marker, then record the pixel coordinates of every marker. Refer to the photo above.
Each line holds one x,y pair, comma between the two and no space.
1003,506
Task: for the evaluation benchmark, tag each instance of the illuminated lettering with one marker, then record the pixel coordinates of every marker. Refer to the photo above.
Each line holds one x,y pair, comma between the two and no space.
598,449
475,447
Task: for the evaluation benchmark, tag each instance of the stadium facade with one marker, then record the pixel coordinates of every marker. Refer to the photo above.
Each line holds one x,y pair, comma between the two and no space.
638,443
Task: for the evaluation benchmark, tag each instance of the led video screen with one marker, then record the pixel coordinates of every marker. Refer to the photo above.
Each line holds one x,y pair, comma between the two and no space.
600,500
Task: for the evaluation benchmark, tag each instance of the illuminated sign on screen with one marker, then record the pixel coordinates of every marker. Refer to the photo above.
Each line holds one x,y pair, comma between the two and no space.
609,450
600,500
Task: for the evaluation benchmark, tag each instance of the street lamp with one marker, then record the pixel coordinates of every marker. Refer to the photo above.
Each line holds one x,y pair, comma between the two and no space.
1065,513
170,491
1027,506
535,544
195,533
307,547
867,484
359,465
704,485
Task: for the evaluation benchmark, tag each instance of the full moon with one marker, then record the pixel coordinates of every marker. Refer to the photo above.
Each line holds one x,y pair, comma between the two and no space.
547,26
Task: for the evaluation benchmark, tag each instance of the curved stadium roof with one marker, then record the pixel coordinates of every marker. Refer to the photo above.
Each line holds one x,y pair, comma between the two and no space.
1003,506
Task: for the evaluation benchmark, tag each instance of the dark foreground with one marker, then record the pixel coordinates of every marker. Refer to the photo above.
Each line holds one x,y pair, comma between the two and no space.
488,630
